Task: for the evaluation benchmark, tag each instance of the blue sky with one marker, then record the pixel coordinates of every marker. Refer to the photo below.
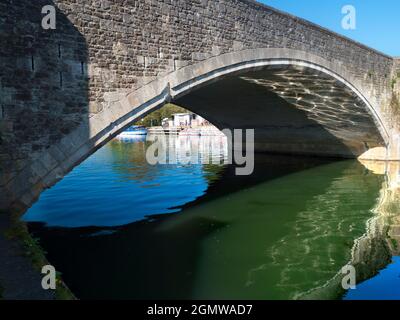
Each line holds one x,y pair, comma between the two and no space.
378,21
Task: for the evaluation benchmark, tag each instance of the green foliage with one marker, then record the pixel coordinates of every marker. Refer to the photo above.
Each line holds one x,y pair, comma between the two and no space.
394,243
32,249
394,80
155,118
30,245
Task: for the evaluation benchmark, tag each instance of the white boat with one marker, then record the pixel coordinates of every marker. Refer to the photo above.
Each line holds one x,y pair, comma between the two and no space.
134,131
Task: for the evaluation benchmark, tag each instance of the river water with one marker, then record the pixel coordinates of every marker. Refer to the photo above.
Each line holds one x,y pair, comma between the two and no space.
117,227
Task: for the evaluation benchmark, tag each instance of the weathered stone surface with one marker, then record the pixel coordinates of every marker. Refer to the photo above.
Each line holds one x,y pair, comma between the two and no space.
65,92
396,83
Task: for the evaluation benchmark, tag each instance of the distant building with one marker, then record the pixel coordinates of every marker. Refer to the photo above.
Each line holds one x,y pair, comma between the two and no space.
187,120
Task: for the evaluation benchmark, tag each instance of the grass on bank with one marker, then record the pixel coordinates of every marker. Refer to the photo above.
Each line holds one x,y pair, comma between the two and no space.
32,249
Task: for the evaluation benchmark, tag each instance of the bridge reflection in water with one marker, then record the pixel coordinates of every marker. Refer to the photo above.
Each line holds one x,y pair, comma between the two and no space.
283,233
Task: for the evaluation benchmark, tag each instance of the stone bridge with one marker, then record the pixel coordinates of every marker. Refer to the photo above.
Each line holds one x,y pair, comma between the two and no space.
66,92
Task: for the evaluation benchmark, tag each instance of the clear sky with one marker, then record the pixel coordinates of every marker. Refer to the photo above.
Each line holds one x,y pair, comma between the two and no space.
377,21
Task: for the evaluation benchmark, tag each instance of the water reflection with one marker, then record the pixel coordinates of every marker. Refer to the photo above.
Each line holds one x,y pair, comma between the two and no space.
285,237
283,233
379,247
191,149
117,186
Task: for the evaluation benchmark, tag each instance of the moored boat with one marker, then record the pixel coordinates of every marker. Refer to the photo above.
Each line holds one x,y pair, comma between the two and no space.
134,131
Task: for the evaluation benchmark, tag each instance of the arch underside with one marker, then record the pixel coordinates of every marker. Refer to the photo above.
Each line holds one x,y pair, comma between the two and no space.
296,102
293,109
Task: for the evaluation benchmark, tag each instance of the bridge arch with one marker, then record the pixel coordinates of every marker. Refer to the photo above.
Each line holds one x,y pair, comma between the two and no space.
124,109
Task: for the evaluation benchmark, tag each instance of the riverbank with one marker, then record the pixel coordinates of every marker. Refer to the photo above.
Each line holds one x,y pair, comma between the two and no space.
22,259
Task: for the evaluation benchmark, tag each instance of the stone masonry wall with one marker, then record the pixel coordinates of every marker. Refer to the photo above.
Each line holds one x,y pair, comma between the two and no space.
43,83
395,84
396,77
53,80
131,42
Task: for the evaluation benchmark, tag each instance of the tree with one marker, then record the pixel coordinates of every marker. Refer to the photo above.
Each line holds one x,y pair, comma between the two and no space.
155,118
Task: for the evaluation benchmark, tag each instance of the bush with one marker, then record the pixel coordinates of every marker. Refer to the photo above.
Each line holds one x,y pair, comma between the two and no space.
155,118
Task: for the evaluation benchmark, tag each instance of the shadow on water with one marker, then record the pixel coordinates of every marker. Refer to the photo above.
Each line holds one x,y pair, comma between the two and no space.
277,234
266,167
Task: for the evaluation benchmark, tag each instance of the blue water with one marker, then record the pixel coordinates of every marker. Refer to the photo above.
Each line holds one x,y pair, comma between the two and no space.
119,228
384,286
127,189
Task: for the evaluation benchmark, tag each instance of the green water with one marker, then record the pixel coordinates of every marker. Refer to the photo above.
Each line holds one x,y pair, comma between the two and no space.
282,238
118,228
